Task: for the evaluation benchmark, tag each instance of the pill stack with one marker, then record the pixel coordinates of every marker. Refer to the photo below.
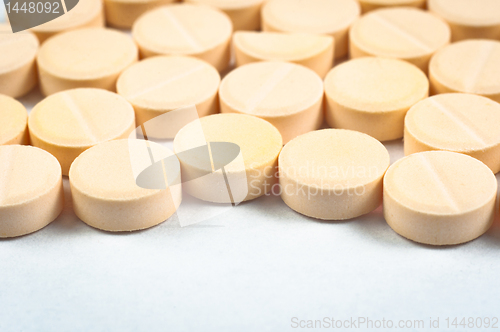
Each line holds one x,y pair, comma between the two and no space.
303,96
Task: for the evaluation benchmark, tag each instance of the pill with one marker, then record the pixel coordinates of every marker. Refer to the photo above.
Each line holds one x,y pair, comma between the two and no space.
313,51
469,19
456,122
259,144
369,5
185,29
14,120
123,14
90,57
69,122
287,95
333,174
373,95
469,66
404,33
17,61
104,190
31,190
439,197
313,16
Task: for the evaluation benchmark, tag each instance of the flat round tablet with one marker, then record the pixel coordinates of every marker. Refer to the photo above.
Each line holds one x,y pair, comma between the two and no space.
14,120
69,122
123,13
17,61
164,83
333,174
470,66
185,29
313,16
439,198
404,33
455,122
91,57
469,19
259,145
287,95
313,51
104,190
372,95
369,5
31,190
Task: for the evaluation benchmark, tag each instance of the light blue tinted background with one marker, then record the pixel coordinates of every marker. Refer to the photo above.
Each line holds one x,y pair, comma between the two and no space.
2,13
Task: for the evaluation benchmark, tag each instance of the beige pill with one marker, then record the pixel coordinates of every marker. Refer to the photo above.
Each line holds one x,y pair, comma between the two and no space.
185,29
470,66
14,122
69,122
313,51
312,16
104,190
469,19
455,122
17,61
439,198
372,95
91,57
333,174
369,5
31,190
404,33
287,95
123,13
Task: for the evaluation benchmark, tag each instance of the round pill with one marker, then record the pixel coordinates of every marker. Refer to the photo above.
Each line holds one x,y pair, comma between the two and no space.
439,198
123,13
313,16
104,190
369,5
470,66
313,51
404,33
455,122
31,190
372,95
91,57
333,174
69,122
14,120
287,95
185,29
17,61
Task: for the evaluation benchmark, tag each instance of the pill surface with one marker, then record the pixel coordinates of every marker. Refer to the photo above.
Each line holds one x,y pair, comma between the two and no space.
439,198
404,33
31,190
313,16
123,14
333,174
14,122
91,57
372,95
287,95
69,122
185,29
368,5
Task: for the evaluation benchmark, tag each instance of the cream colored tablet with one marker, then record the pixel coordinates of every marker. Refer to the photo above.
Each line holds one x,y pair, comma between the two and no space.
312,16
333,174
185,29
439,198
259,145
313,51
470,66
104,190
17,61
14,122
404,33
86,13
91,57
469,19
31,190
69,122
123,13
287,95
455,122
369,5
372,95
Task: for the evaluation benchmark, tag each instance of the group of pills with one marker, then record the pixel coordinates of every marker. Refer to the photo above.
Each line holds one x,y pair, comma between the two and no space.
98,95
